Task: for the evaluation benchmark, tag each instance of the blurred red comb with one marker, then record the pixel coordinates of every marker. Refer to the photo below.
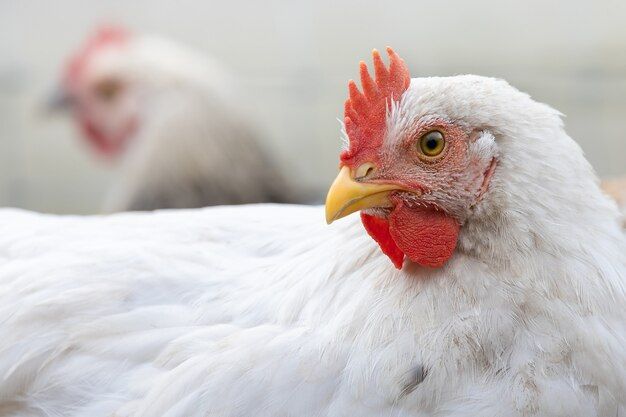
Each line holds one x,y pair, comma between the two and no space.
109,34
365,113
103,36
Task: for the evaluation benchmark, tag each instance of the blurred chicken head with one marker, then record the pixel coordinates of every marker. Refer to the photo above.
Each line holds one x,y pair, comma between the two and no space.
101,93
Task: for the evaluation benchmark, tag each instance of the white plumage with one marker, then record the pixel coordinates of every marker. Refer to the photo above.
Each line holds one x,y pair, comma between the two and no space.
264,310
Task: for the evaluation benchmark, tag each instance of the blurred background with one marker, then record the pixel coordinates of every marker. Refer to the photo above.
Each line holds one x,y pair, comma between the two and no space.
292,60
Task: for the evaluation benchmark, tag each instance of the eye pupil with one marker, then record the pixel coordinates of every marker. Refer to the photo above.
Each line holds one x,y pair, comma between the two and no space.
432,143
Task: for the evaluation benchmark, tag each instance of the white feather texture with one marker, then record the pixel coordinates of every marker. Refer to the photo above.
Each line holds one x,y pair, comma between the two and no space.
264,310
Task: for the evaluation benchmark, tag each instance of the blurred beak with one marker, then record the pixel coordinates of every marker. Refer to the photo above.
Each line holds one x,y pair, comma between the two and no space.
58,100
346,196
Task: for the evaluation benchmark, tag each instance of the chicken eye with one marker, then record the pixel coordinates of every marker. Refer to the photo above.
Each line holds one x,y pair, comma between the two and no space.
432,143
107,89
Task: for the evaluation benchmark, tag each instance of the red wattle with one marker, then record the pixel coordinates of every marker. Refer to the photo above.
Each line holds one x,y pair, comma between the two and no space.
106,145
427,236
378,229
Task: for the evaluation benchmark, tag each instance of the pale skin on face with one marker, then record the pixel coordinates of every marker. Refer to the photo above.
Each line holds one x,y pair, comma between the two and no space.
450,180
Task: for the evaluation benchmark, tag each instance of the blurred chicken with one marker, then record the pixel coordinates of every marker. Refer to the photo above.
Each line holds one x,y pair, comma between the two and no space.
509,301
170,116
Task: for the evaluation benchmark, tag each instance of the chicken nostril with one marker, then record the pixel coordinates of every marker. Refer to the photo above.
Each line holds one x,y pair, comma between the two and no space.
364,170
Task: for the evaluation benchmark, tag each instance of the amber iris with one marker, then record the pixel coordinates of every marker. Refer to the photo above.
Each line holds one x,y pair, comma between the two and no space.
432,143
107,89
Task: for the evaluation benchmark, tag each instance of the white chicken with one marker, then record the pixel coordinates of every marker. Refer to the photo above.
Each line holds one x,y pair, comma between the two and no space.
171,116
511,302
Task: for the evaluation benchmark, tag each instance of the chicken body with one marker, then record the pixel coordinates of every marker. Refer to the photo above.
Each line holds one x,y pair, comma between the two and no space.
191,313
170,118
263,310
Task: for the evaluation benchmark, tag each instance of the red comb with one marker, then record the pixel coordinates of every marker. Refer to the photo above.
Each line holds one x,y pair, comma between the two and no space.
365,113
104,35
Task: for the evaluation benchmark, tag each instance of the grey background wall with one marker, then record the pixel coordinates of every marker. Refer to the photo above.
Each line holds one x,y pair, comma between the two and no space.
293,59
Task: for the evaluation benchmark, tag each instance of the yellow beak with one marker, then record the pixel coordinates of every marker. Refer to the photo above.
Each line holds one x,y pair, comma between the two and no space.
346,196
